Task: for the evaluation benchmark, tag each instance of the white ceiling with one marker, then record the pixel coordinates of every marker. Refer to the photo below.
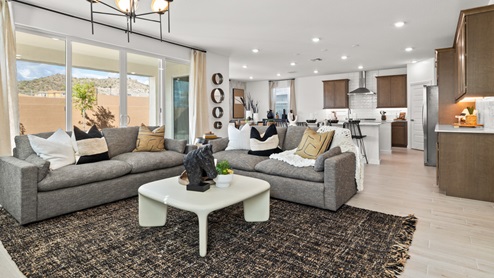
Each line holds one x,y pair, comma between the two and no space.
283,29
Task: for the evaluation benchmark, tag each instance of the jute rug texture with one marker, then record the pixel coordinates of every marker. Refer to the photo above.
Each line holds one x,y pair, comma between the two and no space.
297,241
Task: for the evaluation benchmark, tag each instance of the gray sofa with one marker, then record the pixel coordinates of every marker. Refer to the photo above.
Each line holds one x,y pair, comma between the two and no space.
29,192
328,189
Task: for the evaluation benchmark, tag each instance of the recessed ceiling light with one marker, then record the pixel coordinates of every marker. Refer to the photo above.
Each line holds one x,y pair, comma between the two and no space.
360,67
250,77
316,39
244,66
278,74
399,24
255,50
344,57
414,61
408,49
293,64
316,71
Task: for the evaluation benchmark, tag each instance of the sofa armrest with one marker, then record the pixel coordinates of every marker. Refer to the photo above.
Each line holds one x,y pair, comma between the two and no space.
19,188
339,180
190,148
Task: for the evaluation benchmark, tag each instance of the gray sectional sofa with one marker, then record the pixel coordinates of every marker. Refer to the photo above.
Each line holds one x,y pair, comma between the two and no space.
328,189
29,192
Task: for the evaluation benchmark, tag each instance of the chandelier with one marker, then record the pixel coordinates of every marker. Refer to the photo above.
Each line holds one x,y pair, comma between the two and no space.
128,9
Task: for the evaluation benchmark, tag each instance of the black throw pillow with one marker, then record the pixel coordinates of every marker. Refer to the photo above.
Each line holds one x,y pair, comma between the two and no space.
90,147
264,145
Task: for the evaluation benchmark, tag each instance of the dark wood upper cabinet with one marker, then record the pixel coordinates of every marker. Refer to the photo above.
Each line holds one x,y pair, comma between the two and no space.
335,93
474,55
392,91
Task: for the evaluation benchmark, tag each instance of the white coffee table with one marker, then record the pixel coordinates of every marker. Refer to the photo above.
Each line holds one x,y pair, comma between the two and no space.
155,197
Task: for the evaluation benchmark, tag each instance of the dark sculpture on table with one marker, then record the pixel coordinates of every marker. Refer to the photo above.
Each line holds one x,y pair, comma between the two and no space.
199,165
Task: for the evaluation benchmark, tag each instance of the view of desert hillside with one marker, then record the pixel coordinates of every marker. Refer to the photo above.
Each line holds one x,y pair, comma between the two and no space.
56,82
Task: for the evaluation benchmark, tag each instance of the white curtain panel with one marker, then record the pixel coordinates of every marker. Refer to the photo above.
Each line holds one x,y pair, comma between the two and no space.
9,103
199,99
293,105
272,95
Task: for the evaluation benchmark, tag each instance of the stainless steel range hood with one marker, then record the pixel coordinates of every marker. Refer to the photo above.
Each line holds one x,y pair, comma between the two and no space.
361,90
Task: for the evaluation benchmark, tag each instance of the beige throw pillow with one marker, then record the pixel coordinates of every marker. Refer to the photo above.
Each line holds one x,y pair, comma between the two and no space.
150,140
314,144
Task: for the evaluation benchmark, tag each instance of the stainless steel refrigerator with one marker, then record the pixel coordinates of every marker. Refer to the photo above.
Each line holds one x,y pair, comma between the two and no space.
429,120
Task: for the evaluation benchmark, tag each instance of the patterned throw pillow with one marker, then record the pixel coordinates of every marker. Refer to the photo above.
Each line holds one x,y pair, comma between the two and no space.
91,146
314,144
150,140
265,144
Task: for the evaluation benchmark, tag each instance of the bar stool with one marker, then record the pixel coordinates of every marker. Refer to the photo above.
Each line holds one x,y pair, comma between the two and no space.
354,127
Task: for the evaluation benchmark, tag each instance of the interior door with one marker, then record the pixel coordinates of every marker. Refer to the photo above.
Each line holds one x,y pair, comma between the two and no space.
416,122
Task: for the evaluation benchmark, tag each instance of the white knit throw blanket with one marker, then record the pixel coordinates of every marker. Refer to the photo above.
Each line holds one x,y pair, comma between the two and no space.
341,138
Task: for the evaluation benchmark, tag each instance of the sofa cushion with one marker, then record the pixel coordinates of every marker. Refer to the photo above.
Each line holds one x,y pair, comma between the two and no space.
314,143
90,147
239,138
43,165
150,140
120,139
240,159
282,169
57,149
149,161
74,175
293,136
319,164
219,144
175,145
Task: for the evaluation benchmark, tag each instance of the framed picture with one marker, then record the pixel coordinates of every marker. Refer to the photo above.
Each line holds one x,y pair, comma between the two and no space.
238,108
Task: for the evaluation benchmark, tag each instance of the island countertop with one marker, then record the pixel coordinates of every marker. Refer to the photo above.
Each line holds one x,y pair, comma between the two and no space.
452,129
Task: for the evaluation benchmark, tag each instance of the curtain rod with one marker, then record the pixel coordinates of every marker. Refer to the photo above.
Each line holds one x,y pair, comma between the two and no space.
106,25
281,79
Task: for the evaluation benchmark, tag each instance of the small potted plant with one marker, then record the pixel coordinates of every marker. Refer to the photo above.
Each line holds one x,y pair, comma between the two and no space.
471,119
225,174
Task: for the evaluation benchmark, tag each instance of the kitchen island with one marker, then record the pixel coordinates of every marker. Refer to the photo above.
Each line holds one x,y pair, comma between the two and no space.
465,164
372,143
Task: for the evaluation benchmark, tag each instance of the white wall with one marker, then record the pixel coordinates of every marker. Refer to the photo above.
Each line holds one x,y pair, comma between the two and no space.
259,91
216,63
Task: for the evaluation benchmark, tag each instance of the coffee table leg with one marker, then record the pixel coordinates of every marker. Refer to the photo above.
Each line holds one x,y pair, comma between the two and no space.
256,209
151,213
203,232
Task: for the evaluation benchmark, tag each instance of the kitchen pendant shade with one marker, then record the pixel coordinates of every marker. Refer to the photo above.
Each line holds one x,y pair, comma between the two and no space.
159,6
125,5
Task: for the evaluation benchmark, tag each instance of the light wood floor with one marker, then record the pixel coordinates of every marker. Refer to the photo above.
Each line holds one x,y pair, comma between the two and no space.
454,237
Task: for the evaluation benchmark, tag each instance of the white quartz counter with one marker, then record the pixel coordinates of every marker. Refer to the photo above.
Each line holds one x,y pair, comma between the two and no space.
453,129
372,131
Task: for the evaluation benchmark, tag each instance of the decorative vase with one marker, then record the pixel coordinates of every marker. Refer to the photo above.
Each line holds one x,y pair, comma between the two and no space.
383,117
223,181
471,119
248,114
284,116
255,117
270,114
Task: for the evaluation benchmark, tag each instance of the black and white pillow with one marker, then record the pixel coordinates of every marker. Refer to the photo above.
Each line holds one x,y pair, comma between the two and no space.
265,144
90,147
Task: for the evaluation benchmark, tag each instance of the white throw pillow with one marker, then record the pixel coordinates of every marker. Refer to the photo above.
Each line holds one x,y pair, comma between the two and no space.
239,139
57,149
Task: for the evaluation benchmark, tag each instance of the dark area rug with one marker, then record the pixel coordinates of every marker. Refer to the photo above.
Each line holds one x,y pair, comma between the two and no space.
297,241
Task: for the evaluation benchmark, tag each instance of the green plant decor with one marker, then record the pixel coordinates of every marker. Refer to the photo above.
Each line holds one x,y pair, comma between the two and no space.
224,168
470,110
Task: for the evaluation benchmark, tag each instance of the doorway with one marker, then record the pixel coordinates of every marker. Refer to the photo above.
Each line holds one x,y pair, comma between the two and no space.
181,107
